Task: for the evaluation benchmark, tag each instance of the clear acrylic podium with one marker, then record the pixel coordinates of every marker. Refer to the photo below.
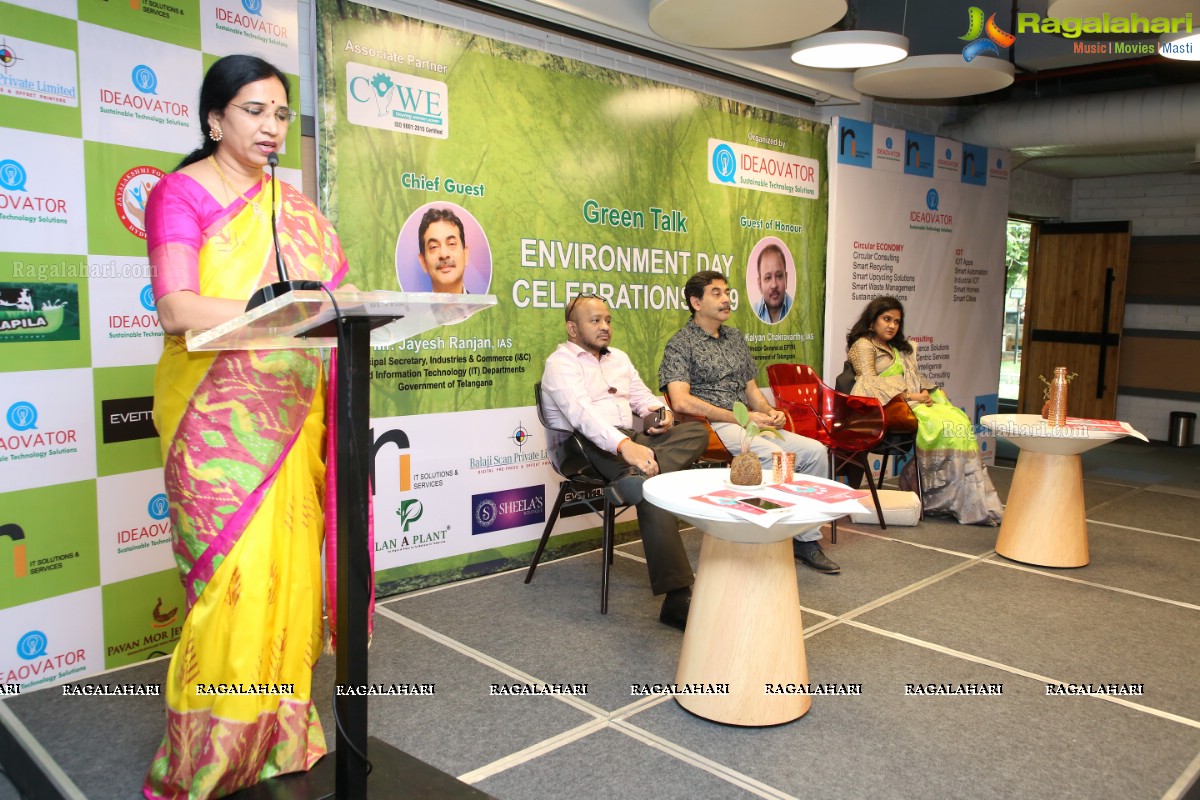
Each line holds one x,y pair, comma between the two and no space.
304,319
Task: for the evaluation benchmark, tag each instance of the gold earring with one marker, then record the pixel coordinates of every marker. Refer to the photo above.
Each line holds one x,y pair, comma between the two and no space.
215,134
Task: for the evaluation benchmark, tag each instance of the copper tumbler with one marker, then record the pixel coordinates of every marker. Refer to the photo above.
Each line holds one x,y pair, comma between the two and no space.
777,467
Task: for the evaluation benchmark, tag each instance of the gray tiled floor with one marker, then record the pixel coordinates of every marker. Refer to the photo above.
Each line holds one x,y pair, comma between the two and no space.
1060,630
921,605
1149,563
609,764
886,744
1155,510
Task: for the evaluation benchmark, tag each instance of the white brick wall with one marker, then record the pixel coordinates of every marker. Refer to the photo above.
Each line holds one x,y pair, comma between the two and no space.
1162,318
1151,415
1038,196
919,118
1156,205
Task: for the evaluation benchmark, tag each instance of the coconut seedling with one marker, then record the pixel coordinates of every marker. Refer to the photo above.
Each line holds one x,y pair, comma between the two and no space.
745,469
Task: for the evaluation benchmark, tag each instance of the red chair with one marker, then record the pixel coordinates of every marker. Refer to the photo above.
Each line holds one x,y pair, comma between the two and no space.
848,425
900,436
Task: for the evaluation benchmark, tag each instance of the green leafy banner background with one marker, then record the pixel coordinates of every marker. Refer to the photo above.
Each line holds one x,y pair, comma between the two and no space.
541,135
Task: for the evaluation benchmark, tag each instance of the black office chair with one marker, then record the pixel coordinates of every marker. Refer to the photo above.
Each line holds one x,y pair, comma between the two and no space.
581,479
900,438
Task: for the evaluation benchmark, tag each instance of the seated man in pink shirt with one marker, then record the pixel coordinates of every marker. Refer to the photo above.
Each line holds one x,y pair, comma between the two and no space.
594,389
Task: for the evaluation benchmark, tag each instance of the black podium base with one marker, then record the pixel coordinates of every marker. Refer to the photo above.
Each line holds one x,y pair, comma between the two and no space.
394,774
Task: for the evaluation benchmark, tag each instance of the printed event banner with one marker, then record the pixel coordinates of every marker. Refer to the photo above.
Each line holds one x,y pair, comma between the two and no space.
920,218
566,178
445,513
459,504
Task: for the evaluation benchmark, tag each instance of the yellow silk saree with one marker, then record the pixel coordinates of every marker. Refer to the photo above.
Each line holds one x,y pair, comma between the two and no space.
244,443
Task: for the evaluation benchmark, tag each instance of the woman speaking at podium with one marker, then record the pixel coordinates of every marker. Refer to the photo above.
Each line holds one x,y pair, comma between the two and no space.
243,442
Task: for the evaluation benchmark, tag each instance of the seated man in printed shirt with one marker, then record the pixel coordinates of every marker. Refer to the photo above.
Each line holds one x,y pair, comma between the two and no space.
707,366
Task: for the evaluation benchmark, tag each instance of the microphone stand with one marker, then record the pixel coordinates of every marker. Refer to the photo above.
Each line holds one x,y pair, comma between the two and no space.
283,285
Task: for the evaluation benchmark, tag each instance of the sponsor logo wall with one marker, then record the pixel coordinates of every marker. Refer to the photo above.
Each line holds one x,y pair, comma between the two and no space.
97,103
934,239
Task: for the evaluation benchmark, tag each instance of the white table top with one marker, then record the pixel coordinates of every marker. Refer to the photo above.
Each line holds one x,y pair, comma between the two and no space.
674,492
1031,432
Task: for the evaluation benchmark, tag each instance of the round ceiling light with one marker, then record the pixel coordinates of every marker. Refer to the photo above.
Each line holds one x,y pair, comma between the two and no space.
749,23
850,49
934,77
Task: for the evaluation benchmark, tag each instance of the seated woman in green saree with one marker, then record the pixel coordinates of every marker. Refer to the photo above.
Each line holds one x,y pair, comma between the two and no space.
244,437
954,480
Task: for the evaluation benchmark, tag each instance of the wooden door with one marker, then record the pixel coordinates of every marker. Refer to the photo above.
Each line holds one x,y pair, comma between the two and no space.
1074,311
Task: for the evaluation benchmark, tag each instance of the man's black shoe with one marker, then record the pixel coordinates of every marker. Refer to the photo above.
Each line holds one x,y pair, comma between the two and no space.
626,489
675,608
811,554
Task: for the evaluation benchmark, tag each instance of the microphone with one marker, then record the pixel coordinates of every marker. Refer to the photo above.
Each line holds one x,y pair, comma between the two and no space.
283,285
273,161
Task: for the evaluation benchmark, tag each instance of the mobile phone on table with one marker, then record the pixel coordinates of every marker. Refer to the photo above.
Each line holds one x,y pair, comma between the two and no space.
761,502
